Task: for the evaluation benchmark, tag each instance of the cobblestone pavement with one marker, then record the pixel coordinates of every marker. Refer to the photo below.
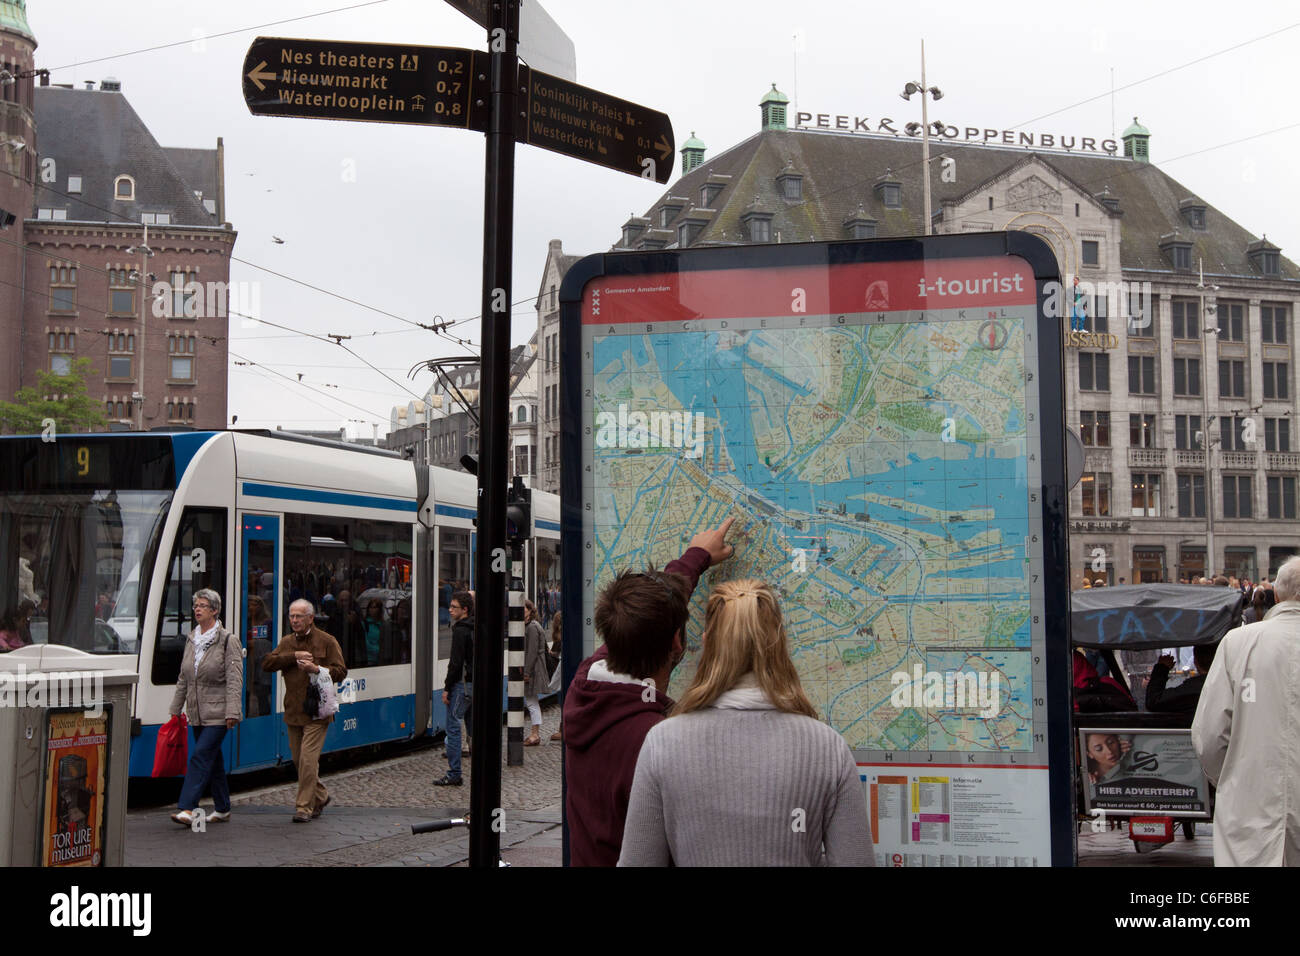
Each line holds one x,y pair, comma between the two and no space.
369,818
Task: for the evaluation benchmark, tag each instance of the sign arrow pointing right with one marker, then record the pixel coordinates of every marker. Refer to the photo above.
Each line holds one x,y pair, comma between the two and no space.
257,74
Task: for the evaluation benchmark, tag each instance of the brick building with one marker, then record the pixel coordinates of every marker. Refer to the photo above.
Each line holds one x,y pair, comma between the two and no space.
1185,404
118,250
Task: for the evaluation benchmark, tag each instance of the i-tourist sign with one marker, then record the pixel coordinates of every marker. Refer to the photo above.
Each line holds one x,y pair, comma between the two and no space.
588,124
366,82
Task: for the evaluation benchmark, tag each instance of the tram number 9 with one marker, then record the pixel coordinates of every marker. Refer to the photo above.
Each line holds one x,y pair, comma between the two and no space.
349,723
83,461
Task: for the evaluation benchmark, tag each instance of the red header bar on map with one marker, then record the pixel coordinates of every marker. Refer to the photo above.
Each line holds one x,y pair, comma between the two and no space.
813,290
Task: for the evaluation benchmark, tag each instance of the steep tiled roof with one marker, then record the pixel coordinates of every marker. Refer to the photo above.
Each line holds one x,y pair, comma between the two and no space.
95,134
198,167
840,173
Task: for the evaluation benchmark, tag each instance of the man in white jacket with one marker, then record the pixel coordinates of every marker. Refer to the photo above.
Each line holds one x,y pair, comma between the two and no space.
1247,735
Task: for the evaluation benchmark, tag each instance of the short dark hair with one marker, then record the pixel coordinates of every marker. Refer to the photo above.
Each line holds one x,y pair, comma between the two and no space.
1203,655
465,600
637,614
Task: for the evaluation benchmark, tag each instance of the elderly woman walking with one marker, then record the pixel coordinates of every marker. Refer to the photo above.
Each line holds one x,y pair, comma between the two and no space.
210,687
743,773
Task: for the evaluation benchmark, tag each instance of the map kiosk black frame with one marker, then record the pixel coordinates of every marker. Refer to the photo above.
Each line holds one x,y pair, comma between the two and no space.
1037,255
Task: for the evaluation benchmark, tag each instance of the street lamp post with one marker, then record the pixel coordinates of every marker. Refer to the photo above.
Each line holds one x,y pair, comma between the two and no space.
1207,444
144,278
927,93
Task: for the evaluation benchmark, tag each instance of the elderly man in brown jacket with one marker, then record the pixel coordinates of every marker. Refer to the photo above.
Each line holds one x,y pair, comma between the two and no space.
301,655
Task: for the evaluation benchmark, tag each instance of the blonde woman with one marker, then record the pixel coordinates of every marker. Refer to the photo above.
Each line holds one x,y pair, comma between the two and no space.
743,773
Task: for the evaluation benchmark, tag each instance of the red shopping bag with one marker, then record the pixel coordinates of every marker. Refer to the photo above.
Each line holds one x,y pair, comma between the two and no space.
172,752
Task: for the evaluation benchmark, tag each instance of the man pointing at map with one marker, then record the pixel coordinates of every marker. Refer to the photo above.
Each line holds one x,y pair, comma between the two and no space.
617,694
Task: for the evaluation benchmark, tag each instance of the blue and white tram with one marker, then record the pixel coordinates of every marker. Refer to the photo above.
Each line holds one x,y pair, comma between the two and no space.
110,535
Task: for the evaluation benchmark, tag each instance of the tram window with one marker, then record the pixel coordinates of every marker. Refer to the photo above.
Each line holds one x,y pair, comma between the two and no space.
546,570
189,570
453,576
356,574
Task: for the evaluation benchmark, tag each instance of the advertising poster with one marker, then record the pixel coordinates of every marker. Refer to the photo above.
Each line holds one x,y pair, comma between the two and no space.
877,429
1142,771
76,783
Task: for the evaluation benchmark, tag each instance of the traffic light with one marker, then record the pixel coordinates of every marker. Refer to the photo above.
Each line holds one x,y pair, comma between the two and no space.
519,511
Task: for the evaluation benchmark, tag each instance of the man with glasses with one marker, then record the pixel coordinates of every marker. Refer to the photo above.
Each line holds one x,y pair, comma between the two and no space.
301,654
618,694
458,690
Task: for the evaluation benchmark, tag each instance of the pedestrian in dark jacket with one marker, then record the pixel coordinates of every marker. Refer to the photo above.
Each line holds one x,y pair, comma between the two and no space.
618,694
458,689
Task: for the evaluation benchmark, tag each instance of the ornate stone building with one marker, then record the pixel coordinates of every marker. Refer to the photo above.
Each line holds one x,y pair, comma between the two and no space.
1185,397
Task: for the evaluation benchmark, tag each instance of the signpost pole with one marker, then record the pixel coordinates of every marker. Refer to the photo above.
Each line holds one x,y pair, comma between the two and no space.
491,566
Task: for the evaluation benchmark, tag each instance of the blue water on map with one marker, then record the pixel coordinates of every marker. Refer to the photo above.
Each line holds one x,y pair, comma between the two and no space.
706,376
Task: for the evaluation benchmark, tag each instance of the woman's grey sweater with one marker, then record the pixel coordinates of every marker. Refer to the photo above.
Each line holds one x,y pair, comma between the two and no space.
743,784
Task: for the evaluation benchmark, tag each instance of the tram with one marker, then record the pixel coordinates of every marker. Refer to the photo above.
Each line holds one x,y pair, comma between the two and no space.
109,535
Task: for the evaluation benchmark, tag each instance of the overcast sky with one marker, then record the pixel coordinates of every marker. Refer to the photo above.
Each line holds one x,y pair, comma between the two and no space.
391,216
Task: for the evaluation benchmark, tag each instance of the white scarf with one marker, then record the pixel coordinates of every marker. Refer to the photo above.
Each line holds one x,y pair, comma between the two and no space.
747,694
202,641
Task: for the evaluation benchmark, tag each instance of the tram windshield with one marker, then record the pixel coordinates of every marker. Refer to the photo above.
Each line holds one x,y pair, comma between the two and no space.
70,567
80,519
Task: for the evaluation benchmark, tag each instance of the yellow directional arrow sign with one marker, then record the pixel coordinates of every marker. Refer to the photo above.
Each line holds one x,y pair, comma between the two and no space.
588,124
369,82
259,73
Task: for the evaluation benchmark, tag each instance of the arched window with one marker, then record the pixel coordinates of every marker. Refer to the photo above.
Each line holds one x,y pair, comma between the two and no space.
522,414
124,188
171,410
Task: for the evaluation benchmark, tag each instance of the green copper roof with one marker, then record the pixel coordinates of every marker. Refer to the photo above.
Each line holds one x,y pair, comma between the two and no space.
13,17
774,96
1137,129
693,143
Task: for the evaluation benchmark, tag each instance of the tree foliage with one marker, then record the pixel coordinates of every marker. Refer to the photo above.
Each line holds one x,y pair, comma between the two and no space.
62,398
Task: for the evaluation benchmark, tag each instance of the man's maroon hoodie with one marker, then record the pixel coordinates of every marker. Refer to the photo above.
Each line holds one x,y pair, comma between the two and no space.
605,724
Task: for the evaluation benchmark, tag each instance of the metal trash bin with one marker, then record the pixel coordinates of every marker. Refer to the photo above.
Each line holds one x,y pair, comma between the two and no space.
65,738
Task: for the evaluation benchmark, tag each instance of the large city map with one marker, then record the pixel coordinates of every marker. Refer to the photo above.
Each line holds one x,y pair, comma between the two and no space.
879,467
878,477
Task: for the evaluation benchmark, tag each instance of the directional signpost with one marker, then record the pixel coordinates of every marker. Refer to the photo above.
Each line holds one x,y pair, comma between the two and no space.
588,124
365,82
493,93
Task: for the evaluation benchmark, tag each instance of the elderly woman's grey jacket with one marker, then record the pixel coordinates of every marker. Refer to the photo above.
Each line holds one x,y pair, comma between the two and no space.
216,693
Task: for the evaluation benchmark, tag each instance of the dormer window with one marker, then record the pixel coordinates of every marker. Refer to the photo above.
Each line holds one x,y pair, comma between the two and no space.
74,184
631,229
708,193
667,214
1265,257
1177,250
124,188
860,225
758,225
1193,213
688,231
890,193
790,184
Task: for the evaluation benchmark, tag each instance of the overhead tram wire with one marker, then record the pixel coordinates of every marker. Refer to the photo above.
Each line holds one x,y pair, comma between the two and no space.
855,185
294,381
258,374
1156,76
144,280
224,33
